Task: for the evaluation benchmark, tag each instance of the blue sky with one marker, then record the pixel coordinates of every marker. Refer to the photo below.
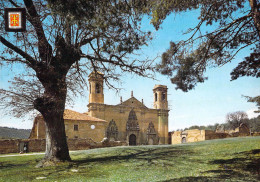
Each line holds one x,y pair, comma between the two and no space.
207,104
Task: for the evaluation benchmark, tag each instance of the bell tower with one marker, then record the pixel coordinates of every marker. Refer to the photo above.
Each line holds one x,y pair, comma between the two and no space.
160,97
161,104
96,94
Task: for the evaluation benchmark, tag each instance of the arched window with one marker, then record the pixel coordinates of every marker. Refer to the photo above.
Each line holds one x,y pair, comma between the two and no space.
163,96
98,88
155,97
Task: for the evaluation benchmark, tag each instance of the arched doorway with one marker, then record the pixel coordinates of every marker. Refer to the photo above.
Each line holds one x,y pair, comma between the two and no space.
132,139
183,140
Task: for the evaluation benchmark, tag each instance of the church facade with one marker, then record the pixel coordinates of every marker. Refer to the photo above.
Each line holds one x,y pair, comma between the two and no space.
130,121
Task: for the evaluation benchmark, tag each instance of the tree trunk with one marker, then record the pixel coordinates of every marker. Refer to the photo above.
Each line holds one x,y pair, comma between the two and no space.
56,143
52,106
53,78
256,14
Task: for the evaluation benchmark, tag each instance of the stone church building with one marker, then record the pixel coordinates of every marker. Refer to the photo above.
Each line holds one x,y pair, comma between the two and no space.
130,121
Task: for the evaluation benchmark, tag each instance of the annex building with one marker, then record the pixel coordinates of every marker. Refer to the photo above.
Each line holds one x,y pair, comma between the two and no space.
129,121
197,135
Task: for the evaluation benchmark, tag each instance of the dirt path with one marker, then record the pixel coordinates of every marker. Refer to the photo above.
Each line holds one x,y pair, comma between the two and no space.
14,155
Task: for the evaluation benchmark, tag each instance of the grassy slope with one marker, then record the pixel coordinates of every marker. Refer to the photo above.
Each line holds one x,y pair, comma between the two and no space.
236,159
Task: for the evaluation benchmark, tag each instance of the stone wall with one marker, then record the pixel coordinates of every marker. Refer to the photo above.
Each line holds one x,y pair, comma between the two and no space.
195,135
38,145
17,145
256,134
201,135
84,129
176,137
9,146
210,135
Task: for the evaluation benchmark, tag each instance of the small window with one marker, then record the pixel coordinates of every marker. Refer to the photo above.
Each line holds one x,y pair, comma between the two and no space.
76,127
98,89
155,97
92,127
163,96
76,137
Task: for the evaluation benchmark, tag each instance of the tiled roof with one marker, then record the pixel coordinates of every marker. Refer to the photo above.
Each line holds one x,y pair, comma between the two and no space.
73,115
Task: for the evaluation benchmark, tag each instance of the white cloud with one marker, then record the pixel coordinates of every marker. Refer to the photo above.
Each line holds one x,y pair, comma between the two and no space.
251,113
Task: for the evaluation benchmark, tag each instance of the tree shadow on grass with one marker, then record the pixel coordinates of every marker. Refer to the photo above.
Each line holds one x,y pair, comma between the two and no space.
149,155
9,165
244,167
191,179
138,156
246,162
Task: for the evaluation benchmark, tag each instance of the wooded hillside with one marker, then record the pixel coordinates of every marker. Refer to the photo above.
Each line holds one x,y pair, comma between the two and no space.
6,133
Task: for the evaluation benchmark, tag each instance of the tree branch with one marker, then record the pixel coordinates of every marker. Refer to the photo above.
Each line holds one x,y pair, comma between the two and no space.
86,41
139,70
45,49
13,3
31,60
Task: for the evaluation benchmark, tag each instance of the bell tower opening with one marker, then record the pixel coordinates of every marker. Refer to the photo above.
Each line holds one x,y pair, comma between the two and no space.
97,88
96,94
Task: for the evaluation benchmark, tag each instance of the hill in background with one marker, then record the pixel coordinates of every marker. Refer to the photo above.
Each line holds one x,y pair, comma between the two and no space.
8,133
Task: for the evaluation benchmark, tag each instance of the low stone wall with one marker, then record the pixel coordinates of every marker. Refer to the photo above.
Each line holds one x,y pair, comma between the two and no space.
201,135
256,134
9,146
176,137
210,135
38,145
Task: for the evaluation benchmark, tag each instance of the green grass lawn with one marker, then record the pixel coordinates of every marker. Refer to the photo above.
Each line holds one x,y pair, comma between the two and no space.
234,159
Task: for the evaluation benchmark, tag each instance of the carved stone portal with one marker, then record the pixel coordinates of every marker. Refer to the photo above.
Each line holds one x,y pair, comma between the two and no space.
132,129
112,131
132,124
152,137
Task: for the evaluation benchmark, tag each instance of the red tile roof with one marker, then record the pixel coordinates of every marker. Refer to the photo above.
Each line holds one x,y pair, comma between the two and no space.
73,115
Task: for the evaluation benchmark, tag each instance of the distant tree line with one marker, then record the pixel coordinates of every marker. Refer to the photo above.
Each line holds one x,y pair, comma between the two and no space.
233,120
